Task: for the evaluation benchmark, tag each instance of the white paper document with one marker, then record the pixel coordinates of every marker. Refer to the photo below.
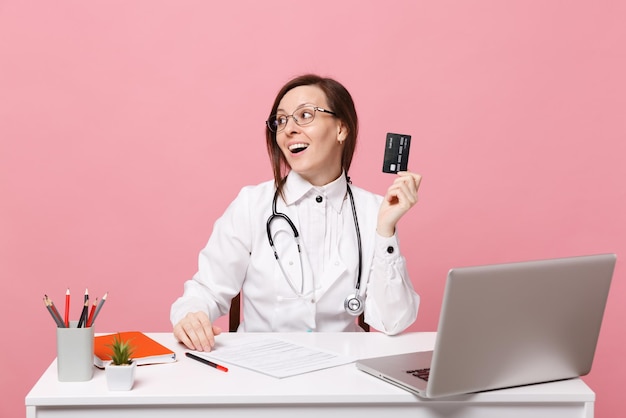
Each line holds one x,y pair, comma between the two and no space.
274,357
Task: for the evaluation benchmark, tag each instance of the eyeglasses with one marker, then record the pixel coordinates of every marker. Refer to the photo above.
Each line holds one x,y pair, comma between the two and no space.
302,116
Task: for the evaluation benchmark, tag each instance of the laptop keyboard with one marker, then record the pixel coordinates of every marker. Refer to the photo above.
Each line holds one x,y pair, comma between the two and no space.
421,373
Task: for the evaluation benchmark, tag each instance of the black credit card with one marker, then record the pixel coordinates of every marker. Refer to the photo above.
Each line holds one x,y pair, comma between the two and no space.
396,153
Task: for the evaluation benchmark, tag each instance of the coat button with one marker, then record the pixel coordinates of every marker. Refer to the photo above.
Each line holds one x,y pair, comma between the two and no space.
319,199
390,249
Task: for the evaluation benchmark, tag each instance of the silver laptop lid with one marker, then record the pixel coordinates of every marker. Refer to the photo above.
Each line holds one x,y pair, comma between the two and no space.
519,323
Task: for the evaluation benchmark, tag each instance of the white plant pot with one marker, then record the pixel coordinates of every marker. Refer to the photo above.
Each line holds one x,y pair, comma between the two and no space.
120,377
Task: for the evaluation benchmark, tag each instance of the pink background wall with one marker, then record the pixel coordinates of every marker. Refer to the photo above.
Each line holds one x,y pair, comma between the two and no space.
127,127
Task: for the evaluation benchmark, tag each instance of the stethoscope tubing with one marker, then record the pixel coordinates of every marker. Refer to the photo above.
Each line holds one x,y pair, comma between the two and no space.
353,303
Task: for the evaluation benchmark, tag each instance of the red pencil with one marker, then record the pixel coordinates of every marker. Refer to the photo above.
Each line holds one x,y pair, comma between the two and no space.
93,310
67,308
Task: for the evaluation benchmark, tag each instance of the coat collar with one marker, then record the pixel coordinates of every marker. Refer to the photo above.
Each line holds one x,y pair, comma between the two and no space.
297,188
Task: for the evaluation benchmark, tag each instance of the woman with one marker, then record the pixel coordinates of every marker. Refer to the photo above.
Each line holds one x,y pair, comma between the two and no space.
308,250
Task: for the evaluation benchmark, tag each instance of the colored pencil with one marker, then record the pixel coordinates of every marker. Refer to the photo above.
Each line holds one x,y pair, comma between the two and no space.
67,308
95,315
83,315
54,309
93,310
55,315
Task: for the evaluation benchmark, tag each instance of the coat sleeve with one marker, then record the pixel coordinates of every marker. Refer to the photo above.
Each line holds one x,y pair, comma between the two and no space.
391,301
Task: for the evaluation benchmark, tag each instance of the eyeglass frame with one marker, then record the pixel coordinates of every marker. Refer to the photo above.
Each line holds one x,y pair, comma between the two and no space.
315,110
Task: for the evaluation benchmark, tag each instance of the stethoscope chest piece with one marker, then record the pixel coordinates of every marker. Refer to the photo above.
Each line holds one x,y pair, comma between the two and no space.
354,305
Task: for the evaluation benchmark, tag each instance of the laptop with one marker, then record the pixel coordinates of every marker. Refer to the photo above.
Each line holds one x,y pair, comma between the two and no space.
508,325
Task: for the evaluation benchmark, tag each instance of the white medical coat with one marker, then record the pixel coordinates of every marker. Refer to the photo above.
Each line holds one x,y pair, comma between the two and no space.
238,257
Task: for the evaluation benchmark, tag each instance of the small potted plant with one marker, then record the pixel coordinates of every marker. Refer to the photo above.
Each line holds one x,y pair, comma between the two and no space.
120,372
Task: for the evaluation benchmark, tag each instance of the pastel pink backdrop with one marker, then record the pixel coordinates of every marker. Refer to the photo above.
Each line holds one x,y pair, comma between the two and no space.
127,127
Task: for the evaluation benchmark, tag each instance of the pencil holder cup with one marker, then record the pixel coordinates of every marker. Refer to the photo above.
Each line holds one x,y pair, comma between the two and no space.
74,353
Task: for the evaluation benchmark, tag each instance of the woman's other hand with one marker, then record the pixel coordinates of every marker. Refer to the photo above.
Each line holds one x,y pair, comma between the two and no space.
196,331
400,197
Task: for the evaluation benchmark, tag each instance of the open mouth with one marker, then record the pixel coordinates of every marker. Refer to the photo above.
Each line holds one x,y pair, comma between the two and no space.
297,148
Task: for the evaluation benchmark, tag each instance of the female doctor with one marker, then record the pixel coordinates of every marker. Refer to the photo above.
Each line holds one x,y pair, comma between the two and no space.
309,251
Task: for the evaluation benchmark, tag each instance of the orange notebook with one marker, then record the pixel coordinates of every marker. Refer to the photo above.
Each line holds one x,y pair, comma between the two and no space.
147,351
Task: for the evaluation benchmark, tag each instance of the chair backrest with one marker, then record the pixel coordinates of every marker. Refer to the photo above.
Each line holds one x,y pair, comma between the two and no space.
234,315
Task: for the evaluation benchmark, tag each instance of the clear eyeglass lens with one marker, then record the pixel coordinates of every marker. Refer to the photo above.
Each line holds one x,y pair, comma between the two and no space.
304,115
301,116
278,122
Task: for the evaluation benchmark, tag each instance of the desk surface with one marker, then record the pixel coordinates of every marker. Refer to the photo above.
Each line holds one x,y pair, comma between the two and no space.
193,386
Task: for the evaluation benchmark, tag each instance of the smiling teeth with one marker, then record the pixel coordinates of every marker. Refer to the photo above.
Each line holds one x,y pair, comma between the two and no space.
298,147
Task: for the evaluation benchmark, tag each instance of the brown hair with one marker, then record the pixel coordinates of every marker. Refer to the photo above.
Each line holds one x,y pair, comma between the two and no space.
339,101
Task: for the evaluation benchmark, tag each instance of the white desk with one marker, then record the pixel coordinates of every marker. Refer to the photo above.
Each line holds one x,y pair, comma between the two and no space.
190,389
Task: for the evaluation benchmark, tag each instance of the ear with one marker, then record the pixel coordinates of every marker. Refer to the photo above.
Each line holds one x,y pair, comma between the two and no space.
342,132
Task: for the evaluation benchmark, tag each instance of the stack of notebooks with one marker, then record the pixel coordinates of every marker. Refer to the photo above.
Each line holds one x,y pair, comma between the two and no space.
146,350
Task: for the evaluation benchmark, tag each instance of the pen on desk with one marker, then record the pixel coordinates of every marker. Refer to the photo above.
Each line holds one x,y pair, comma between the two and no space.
95,315
205,361
56,318
67,308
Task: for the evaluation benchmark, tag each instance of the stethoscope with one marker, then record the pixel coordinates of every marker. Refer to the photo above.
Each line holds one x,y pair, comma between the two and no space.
354,303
